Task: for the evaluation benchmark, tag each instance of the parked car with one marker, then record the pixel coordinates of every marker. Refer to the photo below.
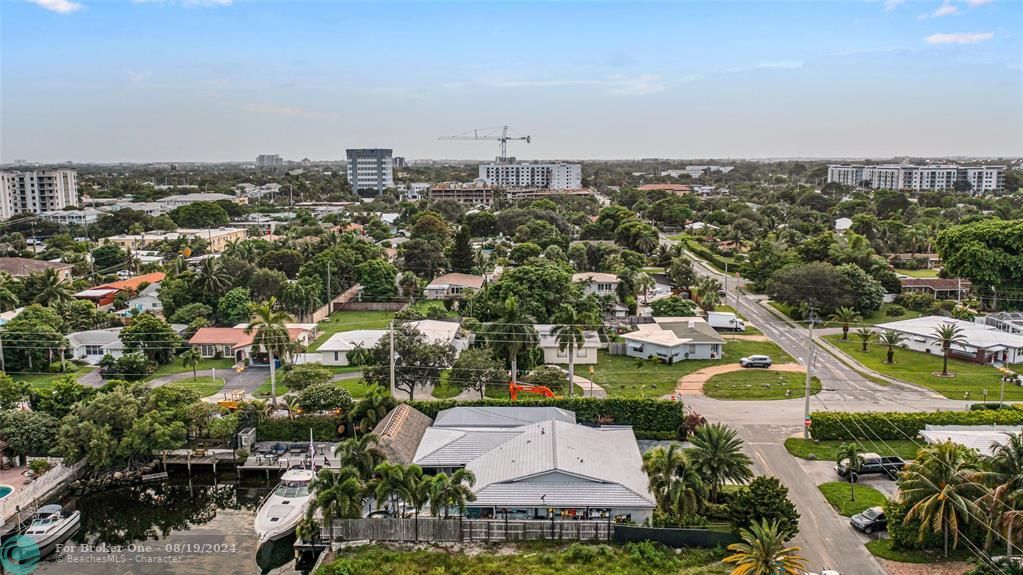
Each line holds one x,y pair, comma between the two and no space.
756,361
873,464
870,520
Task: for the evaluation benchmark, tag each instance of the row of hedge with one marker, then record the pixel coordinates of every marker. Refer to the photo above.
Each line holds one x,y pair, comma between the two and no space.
325,428
896,425
649,418
706,254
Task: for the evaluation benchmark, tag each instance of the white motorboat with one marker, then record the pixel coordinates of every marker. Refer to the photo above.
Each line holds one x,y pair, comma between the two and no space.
282,510
51,524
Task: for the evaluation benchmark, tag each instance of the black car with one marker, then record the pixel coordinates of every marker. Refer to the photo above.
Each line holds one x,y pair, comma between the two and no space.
869,521
872,464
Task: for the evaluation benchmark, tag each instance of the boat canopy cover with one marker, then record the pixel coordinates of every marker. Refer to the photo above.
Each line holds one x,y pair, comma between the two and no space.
49,509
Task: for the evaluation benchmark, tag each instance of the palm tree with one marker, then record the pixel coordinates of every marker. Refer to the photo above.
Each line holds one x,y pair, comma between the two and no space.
647,241
8,299
891,339
368,412
707,289
388,484
272,336
570,333
948,334
939,488
302,298
338,495
511,334
451,491
291,404
409,284
845,316
676,485
718,456
416,490
362,454
763,552
864,333
644,283
191,358
1004,475
54,288
850,455
213,280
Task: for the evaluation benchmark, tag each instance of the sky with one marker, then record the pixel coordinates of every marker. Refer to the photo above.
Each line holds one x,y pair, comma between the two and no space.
225,80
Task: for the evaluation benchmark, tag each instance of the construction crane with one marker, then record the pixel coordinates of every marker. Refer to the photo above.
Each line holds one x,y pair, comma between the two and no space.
498,133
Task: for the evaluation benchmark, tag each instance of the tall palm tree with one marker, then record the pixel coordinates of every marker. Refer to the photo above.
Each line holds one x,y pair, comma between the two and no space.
272,336
845,316
213,280
362,454
676,485
8,299
54,288
707,289
511,334
948,334
1004,476
647,241
302,298
570,333
339,495
453,490
763,552
938,485
416,490
718,456
864,333
849,455
191,358
388,484
644,283
891,339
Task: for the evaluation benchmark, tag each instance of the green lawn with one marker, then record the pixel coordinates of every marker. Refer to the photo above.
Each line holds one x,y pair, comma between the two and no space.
756,384
883,548
531,559
624,376
204,365
925,273
357,387
351,321
43,380
837,494
445,389
204,385
424,306
881,316
919,368
828,450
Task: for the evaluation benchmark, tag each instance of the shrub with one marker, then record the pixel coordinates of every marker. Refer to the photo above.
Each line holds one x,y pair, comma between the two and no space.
983,406
645,415
328,396
325,428
39,466
895,311
916,301
894,425
56,367
764,498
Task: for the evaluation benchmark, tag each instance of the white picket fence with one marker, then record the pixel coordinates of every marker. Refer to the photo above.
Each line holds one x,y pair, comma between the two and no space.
25,496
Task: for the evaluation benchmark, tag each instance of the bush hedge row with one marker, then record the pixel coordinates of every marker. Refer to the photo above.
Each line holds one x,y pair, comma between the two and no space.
894,425
705,253
325,428
651,418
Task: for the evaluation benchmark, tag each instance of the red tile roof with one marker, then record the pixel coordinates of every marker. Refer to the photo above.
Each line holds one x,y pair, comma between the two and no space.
135,282
233,336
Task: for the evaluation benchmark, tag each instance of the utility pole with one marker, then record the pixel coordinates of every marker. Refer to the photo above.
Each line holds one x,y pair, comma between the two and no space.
726,285
3,366
391,331
809,378
330,296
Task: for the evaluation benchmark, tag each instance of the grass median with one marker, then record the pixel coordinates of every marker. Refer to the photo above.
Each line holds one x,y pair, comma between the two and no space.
828,450
750,384
838,495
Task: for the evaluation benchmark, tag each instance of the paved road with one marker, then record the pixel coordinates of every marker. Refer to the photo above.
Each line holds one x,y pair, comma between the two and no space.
825,537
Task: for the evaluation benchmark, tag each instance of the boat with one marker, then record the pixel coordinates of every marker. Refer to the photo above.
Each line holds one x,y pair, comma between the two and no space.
282,510
51,524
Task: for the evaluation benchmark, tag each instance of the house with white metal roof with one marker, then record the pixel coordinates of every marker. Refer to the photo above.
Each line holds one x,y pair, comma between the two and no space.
91,345
480,416
335,350
983,438
982,343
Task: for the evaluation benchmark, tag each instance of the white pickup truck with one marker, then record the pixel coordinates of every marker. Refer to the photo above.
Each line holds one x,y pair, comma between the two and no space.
725,320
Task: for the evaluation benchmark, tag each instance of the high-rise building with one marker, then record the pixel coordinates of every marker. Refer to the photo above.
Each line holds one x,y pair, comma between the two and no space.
370,169
556,176
269,161
400,163
37,191
981,179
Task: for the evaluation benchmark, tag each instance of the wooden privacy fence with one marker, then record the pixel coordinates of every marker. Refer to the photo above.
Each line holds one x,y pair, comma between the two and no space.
454,530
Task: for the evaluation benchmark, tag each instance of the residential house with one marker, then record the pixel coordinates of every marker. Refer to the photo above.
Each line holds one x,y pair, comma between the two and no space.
915,261
674,339
677,189
90,346
940,288
400,432
585,354
1008,321
598,283
103,295
335,350
984,439
147,300
982,343
234,343
216,238
453,285
24,267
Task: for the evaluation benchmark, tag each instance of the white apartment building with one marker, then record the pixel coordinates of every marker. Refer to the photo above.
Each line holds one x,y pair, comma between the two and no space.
37,191
555,176
982,179
370,169
269,161
80,217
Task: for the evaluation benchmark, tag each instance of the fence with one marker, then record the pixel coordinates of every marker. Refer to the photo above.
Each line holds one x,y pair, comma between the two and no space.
373,306
674,537
478,530
24,497
616,348
337,303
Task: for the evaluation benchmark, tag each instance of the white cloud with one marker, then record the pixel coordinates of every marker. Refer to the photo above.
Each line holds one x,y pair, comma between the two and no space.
781,64
946,9
287,111
59,6
200,3
976,3
890,5
959,38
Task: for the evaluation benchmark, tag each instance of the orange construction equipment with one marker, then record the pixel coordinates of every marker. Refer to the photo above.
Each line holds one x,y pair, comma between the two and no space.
515,388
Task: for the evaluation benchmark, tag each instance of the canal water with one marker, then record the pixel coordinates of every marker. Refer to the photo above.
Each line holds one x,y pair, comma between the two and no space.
185,525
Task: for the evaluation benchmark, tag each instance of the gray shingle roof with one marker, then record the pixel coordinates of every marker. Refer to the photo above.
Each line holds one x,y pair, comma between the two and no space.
447,447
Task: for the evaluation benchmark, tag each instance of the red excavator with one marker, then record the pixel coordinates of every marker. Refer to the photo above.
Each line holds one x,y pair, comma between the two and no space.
515,388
